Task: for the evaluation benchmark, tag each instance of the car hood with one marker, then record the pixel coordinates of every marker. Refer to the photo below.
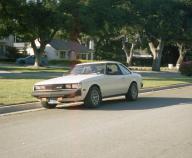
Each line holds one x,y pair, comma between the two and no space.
67,79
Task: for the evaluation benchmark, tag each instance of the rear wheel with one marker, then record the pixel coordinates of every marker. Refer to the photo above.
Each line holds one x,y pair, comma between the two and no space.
93,98
132,93
46,105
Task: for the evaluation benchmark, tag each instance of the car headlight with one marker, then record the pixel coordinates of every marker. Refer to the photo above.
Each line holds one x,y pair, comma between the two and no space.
68,86
76,86
39,88
73,86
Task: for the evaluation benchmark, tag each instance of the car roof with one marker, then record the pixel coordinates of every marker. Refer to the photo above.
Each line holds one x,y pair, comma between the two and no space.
100,62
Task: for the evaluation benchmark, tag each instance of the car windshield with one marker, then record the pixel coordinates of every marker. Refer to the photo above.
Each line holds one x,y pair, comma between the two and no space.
88,69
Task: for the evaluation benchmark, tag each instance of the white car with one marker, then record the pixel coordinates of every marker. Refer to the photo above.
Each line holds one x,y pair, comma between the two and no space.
90,83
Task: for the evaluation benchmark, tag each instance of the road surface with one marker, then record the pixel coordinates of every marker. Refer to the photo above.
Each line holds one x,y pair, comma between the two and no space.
158,125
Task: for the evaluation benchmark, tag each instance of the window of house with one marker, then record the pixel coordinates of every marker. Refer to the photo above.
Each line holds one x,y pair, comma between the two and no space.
83,56
1,50
62,54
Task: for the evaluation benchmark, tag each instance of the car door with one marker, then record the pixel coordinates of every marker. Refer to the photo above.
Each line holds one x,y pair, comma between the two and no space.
113,80
127,77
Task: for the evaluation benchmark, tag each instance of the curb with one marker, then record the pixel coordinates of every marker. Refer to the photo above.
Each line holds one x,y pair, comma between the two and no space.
35,106
19,108
17,104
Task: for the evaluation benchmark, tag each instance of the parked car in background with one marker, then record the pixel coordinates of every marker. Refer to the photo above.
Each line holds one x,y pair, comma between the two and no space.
30,60
90,83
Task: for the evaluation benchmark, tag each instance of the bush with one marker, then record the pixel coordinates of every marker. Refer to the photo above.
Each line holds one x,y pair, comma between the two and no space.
186,68
7,60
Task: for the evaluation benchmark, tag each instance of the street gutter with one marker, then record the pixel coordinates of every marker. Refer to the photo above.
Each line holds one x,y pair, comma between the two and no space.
36,106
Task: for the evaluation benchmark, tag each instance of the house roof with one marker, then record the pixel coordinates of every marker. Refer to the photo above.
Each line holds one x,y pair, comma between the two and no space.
68,45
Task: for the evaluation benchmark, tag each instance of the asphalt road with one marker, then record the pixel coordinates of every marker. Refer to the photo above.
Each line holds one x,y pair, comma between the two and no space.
158,125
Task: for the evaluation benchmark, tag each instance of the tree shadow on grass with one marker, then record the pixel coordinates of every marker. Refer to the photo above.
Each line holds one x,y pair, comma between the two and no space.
143,103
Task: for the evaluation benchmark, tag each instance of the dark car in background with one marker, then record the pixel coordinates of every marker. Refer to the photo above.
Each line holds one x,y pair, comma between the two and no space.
30,60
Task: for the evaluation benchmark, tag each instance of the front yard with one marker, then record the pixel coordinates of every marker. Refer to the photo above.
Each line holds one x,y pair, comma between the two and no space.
16,82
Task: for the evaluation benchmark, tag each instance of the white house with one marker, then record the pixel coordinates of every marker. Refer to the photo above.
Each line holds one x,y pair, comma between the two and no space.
68,50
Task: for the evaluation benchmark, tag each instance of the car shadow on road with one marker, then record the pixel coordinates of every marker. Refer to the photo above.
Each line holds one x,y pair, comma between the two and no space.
141,104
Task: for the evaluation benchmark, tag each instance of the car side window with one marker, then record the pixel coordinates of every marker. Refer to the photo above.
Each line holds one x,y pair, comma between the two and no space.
124,70
113,69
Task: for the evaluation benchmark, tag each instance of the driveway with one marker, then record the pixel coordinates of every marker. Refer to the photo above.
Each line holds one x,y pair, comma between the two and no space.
157,125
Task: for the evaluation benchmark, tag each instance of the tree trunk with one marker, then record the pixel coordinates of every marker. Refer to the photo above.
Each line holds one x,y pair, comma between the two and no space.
157,54
37,60
182,53
130,58
75,33
38,52
129,54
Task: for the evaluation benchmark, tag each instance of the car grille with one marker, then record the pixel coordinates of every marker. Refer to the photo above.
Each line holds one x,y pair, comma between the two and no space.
54,87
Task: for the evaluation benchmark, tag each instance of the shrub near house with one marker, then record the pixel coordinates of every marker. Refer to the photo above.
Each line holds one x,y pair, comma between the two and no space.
186,68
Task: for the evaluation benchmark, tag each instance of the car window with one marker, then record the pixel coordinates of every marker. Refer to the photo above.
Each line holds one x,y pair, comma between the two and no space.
124,70
113,69
100,68
88,69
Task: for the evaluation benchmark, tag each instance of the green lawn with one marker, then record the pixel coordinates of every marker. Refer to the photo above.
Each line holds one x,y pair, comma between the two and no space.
16,82
158,82
16,86
16,91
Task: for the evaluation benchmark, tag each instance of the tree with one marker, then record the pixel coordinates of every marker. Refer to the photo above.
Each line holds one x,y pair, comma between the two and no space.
112,20
6,20
129,42
184,39
40,21
160,23
35,21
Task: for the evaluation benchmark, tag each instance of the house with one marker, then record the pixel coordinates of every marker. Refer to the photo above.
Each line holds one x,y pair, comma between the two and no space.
11,41
56,50
23,47
142,53
68,50
4,43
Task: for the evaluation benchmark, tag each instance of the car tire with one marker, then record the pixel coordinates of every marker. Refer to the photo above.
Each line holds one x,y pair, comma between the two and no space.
93,98
46,105
132,93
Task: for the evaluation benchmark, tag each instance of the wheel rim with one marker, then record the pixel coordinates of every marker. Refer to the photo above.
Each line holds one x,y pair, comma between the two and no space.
134,91
95,97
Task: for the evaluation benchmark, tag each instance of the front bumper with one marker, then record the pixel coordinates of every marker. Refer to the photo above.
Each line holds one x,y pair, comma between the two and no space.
68,95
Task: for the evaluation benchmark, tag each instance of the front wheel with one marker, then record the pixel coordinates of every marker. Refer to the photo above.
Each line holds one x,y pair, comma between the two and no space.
132,93
93,98
46,105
